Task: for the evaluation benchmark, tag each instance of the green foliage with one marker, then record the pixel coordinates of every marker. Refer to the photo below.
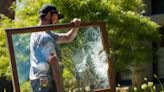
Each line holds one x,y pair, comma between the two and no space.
26,87
130,33
4,56
27,12
131,43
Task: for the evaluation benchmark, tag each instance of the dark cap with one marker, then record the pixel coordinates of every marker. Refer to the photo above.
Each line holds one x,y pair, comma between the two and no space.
49,8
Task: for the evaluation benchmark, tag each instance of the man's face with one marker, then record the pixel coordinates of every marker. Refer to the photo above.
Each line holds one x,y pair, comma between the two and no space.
54,18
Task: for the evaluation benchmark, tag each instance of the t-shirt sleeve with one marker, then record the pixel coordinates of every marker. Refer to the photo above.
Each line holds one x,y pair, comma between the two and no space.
47,49
54,35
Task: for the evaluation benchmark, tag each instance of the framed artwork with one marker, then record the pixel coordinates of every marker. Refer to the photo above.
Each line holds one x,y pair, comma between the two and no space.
87,62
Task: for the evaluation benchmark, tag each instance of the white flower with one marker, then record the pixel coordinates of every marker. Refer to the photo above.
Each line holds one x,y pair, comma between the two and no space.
118,85
135,89
87,88
154,88
143,86
155,76
145,79
150,84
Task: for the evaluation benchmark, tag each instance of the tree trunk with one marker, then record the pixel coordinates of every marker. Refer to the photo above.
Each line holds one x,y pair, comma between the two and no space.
137,76
5,8
140,72
5,85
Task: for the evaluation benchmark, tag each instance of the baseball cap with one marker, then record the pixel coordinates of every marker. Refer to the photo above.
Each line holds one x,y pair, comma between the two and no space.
49,8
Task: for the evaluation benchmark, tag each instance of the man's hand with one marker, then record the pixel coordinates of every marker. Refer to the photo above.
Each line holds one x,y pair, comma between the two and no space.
71,34
76,21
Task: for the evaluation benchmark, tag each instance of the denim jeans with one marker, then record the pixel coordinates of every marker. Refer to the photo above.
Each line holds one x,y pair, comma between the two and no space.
36,87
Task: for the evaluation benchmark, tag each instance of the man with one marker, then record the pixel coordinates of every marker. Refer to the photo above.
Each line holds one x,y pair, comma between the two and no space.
45,71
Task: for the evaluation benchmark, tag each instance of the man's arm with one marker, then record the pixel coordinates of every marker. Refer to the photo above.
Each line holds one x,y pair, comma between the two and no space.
57,75
49,52
70,35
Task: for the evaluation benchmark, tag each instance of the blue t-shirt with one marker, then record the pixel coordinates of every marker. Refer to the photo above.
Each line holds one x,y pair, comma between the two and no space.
42,44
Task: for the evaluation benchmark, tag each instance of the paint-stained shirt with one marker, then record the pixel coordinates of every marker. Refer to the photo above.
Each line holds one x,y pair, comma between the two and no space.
42,44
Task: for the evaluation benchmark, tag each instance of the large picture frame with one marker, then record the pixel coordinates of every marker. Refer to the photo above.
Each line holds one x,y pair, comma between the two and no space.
104,39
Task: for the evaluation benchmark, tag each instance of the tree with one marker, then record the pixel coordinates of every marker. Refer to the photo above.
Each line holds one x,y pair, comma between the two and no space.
5,73
129,32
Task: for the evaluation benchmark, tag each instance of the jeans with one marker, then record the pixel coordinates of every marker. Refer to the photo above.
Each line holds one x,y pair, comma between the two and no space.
36,87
